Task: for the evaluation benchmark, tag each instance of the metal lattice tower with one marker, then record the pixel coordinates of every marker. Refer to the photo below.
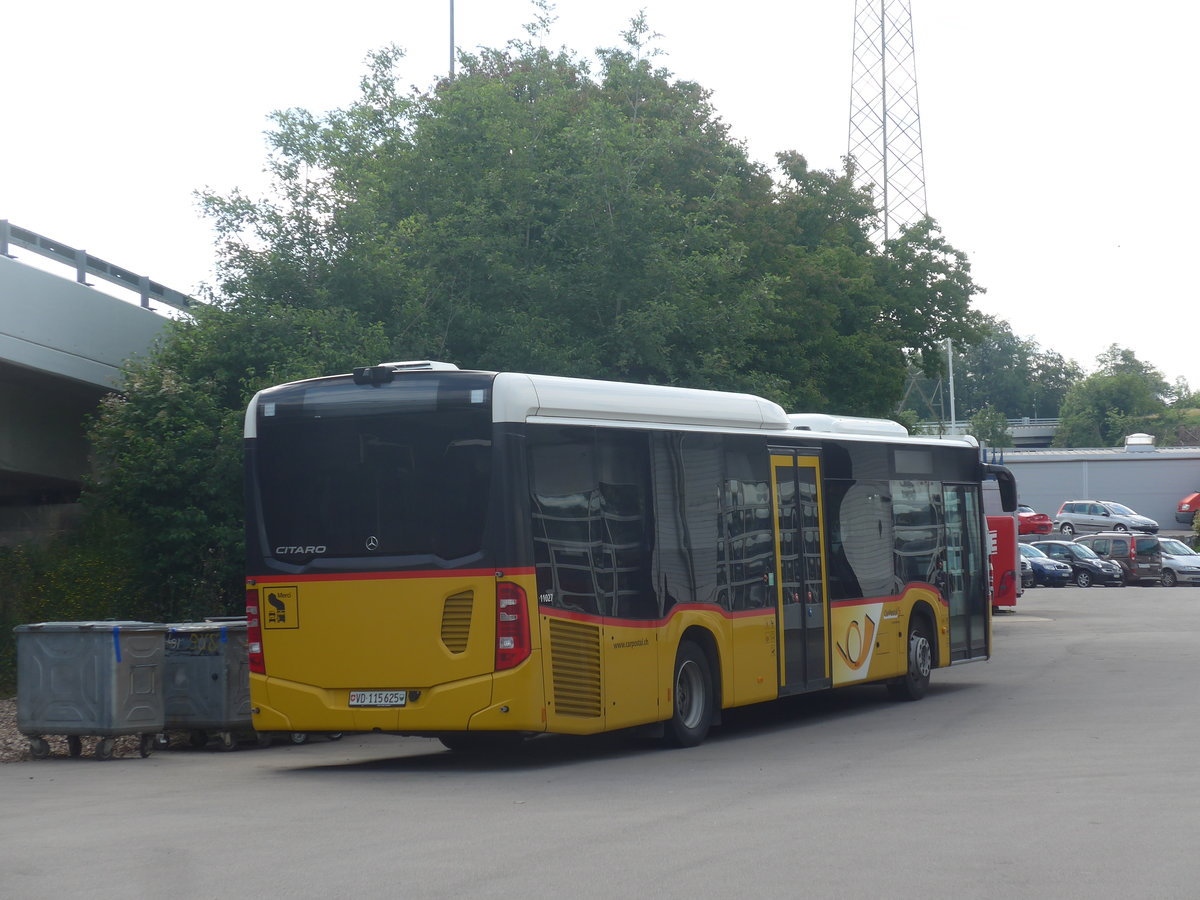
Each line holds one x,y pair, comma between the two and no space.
885,120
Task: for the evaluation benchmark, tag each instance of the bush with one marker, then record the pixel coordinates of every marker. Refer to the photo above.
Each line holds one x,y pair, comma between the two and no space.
74,578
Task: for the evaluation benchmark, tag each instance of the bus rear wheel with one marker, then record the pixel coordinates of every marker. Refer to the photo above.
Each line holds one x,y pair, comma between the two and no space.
913,684
693,697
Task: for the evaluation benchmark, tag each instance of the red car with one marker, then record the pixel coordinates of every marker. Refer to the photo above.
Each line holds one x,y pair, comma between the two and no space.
1186,511
1030,522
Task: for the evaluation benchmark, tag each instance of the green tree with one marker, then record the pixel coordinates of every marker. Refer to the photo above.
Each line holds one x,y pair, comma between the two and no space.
990,427
167,475
1010,373
1117,360
522,216
1103,408
531,215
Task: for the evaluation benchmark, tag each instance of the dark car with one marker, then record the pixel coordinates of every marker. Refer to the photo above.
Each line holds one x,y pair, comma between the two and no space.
1046,571
1138,554
1086,567
1030,521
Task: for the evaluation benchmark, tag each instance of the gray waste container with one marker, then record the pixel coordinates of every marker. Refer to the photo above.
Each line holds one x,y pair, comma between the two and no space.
89,678
207,680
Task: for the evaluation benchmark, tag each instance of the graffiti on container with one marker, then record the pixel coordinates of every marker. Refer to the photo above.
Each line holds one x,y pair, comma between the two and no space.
193,643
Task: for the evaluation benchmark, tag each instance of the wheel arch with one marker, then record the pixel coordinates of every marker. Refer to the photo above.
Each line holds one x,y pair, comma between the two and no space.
707,642
923,612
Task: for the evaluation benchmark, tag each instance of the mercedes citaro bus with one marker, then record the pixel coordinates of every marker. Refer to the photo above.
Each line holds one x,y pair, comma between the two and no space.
485,556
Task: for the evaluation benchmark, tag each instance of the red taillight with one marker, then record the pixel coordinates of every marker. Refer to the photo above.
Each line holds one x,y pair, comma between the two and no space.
254,633
512,626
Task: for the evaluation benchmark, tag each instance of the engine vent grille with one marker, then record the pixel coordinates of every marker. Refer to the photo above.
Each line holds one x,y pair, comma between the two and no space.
456,621
575,668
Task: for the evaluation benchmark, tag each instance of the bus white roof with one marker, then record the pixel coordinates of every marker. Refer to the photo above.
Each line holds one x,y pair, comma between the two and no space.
521,398
846,424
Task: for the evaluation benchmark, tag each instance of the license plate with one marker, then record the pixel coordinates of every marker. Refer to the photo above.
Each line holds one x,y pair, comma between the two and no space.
378,698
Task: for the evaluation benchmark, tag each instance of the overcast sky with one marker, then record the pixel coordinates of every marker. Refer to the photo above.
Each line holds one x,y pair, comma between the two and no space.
1058,139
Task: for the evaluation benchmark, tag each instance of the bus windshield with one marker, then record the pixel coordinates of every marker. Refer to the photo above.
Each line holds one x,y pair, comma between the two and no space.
393,470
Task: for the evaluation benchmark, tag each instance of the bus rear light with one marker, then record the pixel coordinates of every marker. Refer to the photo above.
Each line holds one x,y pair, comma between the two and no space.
258,663
512,626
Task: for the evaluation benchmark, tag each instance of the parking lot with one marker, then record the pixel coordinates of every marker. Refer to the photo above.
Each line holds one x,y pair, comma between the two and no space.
1065,766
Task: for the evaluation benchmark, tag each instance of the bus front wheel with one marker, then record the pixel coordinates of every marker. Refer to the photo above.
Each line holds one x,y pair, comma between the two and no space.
913,684
693,697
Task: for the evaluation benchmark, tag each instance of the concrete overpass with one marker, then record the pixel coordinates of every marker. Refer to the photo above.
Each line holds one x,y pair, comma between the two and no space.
62,345
1026,433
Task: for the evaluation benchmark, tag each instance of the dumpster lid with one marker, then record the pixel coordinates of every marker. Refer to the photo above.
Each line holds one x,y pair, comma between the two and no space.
209,624
102,625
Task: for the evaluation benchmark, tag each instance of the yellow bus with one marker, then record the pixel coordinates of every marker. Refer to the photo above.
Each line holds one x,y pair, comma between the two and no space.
483,556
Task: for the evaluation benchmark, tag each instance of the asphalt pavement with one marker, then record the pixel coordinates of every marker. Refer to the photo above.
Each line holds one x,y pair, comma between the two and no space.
1066,766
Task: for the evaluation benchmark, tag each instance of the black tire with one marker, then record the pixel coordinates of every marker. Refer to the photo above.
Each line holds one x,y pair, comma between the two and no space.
198,739
1120,526
915,682
693,698
1168,578
298,737
39,748
104,748
1066,528
74,745
1083,578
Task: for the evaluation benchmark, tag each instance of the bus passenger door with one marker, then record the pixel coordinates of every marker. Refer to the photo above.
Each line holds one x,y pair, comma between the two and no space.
801,594
966,574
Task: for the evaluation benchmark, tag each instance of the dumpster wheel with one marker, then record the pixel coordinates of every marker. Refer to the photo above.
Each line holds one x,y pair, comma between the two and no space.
146,743
39,747
104,748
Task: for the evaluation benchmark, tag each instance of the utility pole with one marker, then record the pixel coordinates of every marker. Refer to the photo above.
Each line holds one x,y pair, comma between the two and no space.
885,118
950,369
452,39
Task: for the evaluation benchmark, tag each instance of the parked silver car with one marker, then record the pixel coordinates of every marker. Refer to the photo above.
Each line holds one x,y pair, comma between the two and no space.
1180,563
1083,516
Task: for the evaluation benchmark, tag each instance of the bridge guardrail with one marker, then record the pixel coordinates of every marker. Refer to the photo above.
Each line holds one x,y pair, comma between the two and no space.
85,264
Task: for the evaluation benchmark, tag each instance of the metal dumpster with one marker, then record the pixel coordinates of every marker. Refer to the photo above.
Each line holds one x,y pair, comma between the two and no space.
89,678
207,680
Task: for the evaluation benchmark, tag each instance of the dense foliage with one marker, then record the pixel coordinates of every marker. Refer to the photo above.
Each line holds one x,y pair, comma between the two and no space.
529,215
168,452
1124,396
995,368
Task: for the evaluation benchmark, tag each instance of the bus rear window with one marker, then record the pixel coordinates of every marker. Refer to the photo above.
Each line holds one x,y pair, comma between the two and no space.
399,470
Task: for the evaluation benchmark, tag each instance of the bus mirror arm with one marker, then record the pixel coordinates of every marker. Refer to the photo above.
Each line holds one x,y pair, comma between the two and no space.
1007,484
